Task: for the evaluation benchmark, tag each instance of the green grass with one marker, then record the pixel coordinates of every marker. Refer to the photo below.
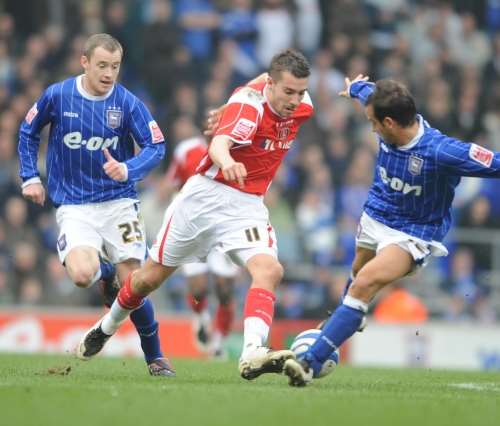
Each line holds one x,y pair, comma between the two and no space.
105,391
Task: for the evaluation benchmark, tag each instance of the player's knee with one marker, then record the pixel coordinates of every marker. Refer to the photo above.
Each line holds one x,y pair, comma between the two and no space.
83,277
273,273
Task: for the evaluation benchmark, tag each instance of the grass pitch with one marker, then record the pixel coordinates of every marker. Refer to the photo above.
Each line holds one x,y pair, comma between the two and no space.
51,390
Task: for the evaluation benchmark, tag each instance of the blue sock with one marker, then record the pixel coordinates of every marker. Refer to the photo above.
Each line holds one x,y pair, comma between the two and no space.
143,319
108,270
340,326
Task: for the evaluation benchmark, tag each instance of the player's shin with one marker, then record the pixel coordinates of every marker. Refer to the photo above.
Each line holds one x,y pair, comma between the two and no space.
343,323
258,316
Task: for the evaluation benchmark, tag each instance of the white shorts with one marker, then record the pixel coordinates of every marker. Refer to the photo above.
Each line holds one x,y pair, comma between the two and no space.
209,215
374,235
115,225
217,263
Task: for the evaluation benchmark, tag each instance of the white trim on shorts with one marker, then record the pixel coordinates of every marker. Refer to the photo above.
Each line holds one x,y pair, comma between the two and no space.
374,235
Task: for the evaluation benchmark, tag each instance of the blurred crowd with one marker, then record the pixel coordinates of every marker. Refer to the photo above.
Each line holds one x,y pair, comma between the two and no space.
183,57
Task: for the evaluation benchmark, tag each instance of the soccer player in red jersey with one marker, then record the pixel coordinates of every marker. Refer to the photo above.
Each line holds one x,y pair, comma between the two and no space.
221,207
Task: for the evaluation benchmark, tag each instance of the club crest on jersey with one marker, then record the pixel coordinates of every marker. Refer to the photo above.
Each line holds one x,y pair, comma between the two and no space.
243,128
415,165
113,118
481,155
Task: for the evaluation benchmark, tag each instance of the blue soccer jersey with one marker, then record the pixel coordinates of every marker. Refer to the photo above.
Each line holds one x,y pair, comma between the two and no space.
414,184
81,127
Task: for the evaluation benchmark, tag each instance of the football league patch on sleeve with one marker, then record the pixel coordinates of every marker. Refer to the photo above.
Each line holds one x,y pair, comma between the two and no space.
31,114
156,133
481,155
243,129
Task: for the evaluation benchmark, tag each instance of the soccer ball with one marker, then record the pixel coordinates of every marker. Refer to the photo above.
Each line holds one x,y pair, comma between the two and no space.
303,342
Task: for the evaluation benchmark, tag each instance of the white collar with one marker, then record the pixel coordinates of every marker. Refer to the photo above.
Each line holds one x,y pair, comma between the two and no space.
87,95
417,137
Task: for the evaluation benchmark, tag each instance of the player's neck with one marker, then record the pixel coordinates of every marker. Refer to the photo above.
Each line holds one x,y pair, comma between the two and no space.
408,134
89,90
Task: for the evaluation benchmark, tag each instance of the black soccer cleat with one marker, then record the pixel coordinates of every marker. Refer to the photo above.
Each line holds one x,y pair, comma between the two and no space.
92,342
298,371
161,367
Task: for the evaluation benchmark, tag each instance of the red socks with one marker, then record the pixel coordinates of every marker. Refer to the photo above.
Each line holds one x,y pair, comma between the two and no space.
224,319
260,303
197,306
126,298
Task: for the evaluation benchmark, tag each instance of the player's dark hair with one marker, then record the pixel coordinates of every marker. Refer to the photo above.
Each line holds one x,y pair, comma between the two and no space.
393,99
103,40
289,60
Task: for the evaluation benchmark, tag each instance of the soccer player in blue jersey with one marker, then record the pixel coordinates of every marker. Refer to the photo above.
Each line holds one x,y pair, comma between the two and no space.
407,213
91,173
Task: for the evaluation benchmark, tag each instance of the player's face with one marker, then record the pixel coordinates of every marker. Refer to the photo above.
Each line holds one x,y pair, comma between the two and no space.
285,94
385,129
101,70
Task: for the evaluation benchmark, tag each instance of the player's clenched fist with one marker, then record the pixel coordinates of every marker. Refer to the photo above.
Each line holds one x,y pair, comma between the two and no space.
35,192
114,169
235,172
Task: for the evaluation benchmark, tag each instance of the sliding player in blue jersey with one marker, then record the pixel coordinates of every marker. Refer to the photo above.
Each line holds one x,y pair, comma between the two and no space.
91,174
407,213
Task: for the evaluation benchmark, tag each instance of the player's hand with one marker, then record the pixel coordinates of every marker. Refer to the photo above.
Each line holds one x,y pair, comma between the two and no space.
235,172
213,120
114,169
346,93
34,192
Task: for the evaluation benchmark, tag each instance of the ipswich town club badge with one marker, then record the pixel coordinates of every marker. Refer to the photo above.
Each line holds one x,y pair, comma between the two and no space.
113,118
415,165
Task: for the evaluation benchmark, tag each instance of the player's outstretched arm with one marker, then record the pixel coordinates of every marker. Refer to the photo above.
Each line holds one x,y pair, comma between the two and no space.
219,153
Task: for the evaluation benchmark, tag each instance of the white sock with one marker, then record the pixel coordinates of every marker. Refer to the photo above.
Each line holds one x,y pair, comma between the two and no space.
255,332
114,318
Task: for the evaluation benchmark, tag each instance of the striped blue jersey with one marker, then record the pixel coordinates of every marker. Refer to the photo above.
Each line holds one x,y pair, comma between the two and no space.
81,127
414,185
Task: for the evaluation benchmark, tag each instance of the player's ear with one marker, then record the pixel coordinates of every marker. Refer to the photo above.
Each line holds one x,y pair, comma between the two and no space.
84,62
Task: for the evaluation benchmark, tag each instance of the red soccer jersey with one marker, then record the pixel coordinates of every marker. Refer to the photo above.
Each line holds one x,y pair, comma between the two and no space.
261,137
186,158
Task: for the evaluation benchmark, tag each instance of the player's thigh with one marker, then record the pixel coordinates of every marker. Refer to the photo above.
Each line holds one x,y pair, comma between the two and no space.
123,232
390,264
77,230
361,258
184,236
82,264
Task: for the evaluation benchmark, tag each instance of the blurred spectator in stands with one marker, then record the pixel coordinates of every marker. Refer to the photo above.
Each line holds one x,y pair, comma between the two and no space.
471,47
275,29
468,296
478,216
308,26
397,305
239,25
30,291
161,46
282,217
198,20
